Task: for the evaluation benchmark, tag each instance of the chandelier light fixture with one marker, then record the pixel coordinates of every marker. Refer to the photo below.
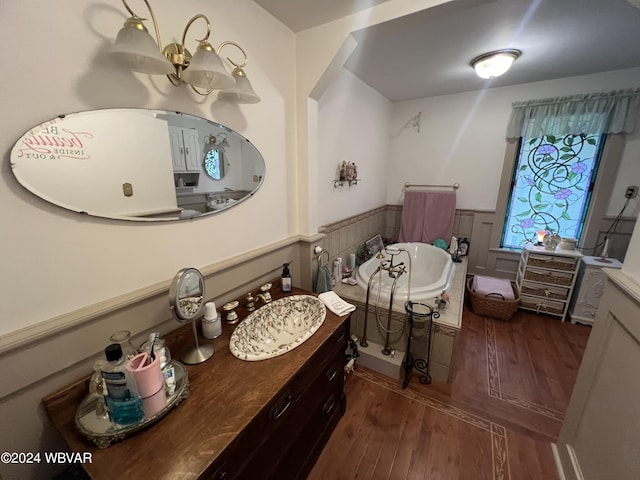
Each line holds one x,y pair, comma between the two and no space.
136,49
493,64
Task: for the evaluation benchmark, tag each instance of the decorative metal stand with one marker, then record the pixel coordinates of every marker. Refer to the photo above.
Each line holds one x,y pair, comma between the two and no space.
420,312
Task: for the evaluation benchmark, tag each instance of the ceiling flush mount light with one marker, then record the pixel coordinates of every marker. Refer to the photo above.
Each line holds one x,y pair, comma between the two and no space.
137,50
494,64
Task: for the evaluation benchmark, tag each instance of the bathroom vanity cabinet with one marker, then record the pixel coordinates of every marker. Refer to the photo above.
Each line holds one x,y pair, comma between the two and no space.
546,278
265,419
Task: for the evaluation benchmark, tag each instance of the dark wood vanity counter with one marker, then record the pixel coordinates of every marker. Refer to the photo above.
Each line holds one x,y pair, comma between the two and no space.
236,420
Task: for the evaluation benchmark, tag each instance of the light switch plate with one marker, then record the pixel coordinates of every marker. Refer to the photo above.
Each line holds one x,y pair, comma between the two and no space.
127,189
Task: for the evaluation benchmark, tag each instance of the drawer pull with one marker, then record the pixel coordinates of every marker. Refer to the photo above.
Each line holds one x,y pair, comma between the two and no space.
329,404
220,473
278,410
331,374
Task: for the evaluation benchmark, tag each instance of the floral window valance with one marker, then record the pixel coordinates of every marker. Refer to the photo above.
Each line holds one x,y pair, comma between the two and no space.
596,113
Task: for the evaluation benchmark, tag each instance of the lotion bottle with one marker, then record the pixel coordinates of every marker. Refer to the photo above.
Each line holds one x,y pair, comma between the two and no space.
286,278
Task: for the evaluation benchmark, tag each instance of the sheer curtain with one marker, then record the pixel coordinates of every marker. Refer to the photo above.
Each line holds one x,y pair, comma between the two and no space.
596,113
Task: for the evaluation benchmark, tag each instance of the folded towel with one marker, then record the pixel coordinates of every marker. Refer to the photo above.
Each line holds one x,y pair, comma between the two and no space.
322,281
490,285
335,303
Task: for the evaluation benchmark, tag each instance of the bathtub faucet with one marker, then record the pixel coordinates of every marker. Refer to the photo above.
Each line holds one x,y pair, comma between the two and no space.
397,269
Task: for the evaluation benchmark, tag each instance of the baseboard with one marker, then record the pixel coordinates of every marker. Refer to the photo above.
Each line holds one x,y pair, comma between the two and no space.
575,473
558,462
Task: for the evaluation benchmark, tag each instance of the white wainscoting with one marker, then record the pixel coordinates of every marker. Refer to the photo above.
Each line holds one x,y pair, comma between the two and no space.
601,430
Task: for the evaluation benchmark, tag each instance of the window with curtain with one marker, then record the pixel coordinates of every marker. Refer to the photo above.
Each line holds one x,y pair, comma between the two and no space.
560,145
551,188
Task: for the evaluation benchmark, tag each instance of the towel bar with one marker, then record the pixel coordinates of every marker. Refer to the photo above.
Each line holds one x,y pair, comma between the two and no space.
320,251
455,186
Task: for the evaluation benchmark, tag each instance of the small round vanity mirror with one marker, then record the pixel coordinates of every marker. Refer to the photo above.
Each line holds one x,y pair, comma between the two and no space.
186,299
186,295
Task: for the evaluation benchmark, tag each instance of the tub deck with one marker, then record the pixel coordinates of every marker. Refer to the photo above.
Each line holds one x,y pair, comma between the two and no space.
445,329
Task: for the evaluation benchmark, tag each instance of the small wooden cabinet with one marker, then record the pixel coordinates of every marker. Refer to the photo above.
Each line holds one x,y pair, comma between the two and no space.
589,288
545,279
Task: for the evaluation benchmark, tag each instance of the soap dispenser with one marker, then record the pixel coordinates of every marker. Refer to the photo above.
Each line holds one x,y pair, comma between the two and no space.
286,278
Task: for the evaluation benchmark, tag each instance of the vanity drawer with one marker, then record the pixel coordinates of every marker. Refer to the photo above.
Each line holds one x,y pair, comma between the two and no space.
335,345
321,400
318,429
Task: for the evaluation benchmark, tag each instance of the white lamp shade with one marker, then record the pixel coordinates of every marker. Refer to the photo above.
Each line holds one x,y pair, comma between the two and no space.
494,64
138,51
242,92
207,71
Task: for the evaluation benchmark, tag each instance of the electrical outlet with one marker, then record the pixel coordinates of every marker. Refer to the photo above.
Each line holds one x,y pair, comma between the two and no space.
631,191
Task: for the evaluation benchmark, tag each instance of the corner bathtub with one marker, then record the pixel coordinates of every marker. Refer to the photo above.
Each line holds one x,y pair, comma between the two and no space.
431,272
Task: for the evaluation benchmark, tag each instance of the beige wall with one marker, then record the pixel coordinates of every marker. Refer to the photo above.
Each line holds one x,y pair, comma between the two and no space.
57,261
353,126
462,139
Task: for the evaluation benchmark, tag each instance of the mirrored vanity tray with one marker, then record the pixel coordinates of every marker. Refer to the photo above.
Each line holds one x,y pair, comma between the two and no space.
98,428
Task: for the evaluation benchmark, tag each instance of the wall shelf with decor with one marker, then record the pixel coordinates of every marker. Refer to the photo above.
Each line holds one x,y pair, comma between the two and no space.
340,183
347,173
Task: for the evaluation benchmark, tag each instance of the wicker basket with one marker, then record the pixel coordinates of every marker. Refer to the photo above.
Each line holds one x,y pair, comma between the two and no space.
493,305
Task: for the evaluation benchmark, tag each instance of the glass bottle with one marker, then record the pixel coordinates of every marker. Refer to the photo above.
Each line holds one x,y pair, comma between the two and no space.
123,337
97,388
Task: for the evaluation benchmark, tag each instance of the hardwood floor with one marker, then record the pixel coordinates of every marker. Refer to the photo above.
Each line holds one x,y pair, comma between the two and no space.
496,419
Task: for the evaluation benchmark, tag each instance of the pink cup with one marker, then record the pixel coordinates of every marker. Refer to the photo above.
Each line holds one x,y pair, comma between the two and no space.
153,404
148,378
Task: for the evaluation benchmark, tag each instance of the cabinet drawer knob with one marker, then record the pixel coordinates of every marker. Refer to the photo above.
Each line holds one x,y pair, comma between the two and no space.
331,374
329,404
220,473
283,404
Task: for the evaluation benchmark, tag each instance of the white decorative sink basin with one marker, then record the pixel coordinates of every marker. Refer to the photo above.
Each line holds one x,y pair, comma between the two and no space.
277,328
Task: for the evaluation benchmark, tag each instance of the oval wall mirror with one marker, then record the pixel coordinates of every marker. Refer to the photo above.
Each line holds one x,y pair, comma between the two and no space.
137,164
